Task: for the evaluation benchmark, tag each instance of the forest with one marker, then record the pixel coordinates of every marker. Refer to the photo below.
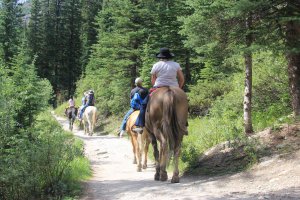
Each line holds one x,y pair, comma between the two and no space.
240,58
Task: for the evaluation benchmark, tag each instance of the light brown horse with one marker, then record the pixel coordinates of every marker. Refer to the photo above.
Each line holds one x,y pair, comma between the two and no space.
140,142
166,121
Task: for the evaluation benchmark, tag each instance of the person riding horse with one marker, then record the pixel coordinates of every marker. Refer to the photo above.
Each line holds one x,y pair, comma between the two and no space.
164,73
71,112
71,106
137,94
167,113
89,102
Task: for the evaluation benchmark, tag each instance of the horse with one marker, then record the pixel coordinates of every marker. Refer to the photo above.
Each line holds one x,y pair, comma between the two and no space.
71,113
89,118
166,121
140,142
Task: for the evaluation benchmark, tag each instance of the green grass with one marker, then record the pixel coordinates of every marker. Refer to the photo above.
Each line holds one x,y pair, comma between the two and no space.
60,110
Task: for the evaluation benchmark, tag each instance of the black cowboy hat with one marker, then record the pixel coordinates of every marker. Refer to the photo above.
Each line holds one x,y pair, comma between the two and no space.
164,53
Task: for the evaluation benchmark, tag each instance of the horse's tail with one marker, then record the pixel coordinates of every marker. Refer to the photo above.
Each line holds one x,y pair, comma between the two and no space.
170,124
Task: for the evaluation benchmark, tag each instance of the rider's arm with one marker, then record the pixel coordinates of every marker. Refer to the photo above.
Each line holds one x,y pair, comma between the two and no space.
180,77
153,79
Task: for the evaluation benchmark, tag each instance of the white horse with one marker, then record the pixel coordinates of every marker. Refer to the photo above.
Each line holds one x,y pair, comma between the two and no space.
89,119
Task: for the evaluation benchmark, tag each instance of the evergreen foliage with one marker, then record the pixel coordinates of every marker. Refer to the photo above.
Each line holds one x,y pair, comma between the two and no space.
129,35
54,37
89,12
11,27
35,152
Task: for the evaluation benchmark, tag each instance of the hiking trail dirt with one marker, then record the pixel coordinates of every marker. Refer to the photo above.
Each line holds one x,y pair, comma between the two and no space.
115,177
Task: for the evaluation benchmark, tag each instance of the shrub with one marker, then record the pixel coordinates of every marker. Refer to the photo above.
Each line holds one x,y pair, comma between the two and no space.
225,119
44,164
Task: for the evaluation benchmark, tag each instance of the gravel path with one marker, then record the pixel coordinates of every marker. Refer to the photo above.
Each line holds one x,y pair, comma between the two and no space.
115,177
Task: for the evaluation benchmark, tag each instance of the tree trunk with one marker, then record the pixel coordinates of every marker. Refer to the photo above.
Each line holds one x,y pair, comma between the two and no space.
293,58
248,80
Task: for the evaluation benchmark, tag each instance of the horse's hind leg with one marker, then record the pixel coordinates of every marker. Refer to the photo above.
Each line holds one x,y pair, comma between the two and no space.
146,148
133,147
90,130
70,124
175,178
163,160
85,126
139,151
156,156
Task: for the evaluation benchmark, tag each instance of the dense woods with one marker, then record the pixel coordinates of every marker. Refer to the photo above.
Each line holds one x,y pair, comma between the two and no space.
241,61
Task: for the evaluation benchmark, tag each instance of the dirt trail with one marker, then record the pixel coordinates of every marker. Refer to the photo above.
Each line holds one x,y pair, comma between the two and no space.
115,177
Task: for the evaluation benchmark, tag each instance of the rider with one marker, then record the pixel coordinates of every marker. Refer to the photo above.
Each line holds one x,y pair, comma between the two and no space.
71,105
89,102
136,95
164,73
71,102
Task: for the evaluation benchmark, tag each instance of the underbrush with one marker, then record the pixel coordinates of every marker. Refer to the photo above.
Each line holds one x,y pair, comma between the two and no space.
44,162
223,119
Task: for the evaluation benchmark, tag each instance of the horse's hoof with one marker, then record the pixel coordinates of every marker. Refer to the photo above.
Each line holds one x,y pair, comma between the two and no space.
139,169
144,166
163,177
156,177
175,179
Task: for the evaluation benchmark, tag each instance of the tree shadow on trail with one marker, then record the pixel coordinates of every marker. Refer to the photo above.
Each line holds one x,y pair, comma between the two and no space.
150,189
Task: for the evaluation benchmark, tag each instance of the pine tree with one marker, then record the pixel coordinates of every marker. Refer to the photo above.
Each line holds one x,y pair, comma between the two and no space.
116,58
71,69
54,37
226,27
12,27
90,9
292,35
35,35
163,31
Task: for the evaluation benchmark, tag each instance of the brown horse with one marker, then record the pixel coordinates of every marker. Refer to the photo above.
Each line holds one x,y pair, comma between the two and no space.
166,121
71,113
140,142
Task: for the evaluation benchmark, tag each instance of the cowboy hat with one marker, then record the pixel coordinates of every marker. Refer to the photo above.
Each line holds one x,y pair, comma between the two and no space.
164,53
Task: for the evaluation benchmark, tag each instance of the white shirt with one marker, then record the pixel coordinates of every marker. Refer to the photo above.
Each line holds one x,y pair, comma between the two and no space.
166,73
71,103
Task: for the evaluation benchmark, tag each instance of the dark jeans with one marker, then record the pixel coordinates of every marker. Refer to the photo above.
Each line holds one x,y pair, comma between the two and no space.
140,121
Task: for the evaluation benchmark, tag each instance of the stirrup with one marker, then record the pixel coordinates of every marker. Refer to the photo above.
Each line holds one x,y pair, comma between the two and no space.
138,129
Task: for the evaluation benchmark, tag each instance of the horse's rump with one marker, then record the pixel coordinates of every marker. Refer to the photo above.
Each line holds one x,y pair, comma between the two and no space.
140,142
71,112
90,118
131,120
167,111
